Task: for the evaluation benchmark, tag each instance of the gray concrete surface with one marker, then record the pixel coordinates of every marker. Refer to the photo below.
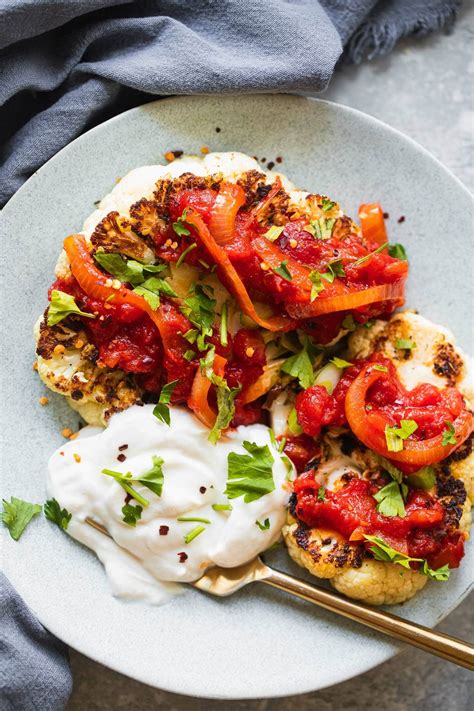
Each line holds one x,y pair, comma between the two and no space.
425,89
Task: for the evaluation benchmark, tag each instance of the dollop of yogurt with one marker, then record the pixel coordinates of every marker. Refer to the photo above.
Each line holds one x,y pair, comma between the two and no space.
146,561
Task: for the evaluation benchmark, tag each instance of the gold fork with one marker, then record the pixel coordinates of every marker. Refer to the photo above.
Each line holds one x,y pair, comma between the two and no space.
225,581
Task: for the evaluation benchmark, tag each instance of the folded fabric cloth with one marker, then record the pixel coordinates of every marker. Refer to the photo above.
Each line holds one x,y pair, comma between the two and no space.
66,65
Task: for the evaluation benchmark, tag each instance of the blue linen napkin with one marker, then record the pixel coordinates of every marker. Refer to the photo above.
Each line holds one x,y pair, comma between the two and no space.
66,65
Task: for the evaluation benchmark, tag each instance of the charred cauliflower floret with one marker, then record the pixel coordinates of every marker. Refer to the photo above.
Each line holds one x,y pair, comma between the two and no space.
350,568
114,234
378,583
434,359
66,364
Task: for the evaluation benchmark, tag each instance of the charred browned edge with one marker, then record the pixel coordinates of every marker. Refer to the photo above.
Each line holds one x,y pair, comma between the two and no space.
52,336
254,185
451,494
340,554
168,188
462,452
447,363
117,234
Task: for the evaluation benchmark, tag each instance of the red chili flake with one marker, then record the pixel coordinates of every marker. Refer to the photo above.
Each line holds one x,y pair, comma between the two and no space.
202,489
401,219
386,215
121,457
164,530
122,447
279,159
218,130
270,165
62,454
182,557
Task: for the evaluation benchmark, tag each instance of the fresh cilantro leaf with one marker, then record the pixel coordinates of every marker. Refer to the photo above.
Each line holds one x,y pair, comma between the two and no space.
326,204
225,411
441,574
283,271
126,481
394,436
321,228
250,475
348,323
152,298
300,366
273,233
191,335
154,478
390,500
189,355
263,526
53,512
194,534
404,344
192,519
321,494
151,289
199,308
380,368
126,270
17,514
317,285
340,363
161,409
449,435
178,226
293,424
61,306
424,478
363,260
397,251
184,254
335,269
131,514
382,551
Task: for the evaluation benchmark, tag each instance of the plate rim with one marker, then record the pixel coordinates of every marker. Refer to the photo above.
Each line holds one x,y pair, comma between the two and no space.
154,105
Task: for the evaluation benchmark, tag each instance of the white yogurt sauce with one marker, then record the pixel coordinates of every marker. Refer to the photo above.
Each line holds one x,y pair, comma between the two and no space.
140,562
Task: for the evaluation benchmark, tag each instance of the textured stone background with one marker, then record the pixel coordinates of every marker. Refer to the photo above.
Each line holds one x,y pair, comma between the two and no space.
425,89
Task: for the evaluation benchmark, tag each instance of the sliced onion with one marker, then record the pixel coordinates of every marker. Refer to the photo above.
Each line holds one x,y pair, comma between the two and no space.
229,200
328,377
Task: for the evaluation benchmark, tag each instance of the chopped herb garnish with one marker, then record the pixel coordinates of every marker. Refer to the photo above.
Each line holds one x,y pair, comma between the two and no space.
199,308
151,289
348,323
178,226
424,478
317,285
184,254
380,368
53,512
397,251
382,551
191,335
404,344
369,323
126,270
321,494
131,514
273,233
449,435
222,507
300,366
223,327
63,305
363,260
193,534
161,409
390,500
340,363
263,526
394,436
192,519
335,269
250,475
293,424
225,410
17,514
327,205
154,478
283,271
188,355
126,481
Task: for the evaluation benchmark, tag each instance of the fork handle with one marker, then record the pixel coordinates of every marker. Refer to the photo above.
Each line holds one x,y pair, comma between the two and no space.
441,645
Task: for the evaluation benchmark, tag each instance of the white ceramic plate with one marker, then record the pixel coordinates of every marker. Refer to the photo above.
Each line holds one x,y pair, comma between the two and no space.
258,643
